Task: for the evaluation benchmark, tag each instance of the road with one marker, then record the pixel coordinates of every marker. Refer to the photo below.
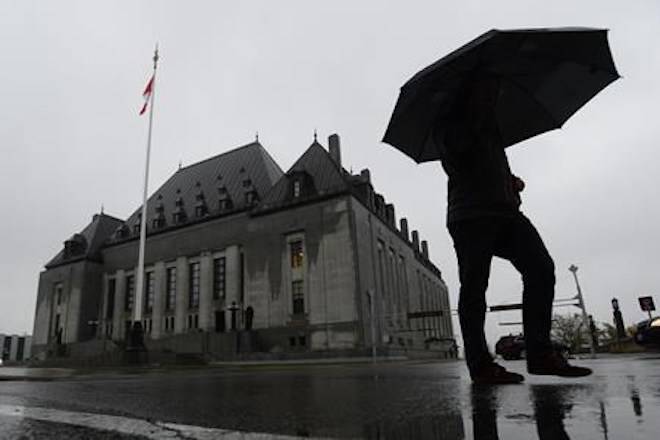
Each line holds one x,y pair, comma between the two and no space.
402,400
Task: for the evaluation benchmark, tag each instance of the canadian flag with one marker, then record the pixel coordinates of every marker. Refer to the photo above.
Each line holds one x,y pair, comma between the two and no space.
148,90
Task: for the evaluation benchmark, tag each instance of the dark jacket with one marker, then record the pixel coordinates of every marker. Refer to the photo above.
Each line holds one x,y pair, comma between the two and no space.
480,181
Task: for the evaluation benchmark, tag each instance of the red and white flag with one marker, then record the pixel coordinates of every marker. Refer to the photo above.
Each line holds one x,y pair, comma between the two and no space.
148,90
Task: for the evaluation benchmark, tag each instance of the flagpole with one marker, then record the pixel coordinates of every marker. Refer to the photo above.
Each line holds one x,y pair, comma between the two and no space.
137,305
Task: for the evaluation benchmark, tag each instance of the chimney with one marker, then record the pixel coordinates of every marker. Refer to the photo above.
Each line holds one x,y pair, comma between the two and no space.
366,175
389,215
404,228
425,249
379,202
371,202
415,236
335,150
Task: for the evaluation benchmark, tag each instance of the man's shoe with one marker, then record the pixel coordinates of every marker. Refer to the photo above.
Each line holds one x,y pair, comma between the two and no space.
495,374
552,363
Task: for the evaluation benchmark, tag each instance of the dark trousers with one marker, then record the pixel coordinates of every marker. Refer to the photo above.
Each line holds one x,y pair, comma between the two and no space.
476,241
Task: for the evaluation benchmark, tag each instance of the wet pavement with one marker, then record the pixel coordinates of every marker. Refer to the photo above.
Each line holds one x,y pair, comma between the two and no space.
401,400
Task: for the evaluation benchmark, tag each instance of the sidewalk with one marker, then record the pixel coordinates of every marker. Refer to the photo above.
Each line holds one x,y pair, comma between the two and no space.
49,374
34,374
311,361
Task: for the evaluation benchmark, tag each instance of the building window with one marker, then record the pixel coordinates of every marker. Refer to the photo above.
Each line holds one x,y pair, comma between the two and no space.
179,217
298,296
130,293
404,276
200,205
169,324
159,222
296,188
150,291
219,277
58,292
224,200
225,205
179,214
20,349
122,231
394,279
220,325
193,294
170,294
251,197
146,326
201,211
241,278
57,323
381,268
247,183
110,303
6,348
297,254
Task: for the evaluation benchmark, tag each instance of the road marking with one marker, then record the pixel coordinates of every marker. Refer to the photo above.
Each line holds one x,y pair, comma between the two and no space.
132,426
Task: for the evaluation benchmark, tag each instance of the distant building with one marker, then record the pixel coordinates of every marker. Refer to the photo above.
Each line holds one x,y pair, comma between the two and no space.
307,260
15,348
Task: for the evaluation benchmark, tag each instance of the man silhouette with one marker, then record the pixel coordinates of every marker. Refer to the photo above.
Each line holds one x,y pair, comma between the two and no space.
484,220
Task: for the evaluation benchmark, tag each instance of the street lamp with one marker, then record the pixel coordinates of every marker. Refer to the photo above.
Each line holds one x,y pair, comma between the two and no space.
573,268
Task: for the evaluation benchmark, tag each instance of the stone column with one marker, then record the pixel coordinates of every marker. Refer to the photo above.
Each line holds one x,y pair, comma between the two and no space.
120,296
438,307
13,350
206,290
232,280
103,306
136,299
182,289
159,300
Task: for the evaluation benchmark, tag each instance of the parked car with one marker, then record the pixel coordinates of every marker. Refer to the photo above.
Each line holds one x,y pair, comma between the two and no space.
512,347
648,332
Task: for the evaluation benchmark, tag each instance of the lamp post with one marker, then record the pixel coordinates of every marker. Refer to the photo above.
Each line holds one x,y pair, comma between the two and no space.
573,268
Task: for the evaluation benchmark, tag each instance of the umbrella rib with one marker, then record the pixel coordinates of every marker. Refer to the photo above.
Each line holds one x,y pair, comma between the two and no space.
533,97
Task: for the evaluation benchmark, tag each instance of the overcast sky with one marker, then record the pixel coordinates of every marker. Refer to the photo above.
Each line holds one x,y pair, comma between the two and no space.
70,89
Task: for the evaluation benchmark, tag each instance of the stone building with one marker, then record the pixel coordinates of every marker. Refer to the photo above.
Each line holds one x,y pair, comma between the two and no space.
241,256
14,348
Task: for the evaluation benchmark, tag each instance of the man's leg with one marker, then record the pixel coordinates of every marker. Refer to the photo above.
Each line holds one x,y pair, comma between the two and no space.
521,244
473,242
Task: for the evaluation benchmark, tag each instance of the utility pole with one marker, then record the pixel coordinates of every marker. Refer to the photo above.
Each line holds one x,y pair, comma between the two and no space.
573,268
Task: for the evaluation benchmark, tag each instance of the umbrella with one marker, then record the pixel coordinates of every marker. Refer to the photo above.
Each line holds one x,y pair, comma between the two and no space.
539,78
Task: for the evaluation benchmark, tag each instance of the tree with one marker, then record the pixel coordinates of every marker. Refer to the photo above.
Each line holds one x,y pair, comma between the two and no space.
570,331
607,333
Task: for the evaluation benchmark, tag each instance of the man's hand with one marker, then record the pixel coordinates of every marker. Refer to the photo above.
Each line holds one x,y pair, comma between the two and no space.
518,183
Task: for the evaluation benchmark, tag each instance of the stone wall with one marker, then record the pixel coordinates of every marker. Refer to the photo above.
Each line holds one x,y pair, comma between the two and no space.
80,284
399,280
258,274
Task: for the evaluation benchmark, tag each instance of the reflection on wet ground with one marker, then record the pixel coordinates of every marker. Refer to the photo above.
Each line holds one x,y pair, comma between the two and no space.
608,405
433,400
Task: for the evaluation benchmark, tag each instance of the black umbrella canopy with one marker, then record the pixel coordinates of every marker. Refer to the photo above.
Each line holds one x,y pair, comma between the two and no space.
540,78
